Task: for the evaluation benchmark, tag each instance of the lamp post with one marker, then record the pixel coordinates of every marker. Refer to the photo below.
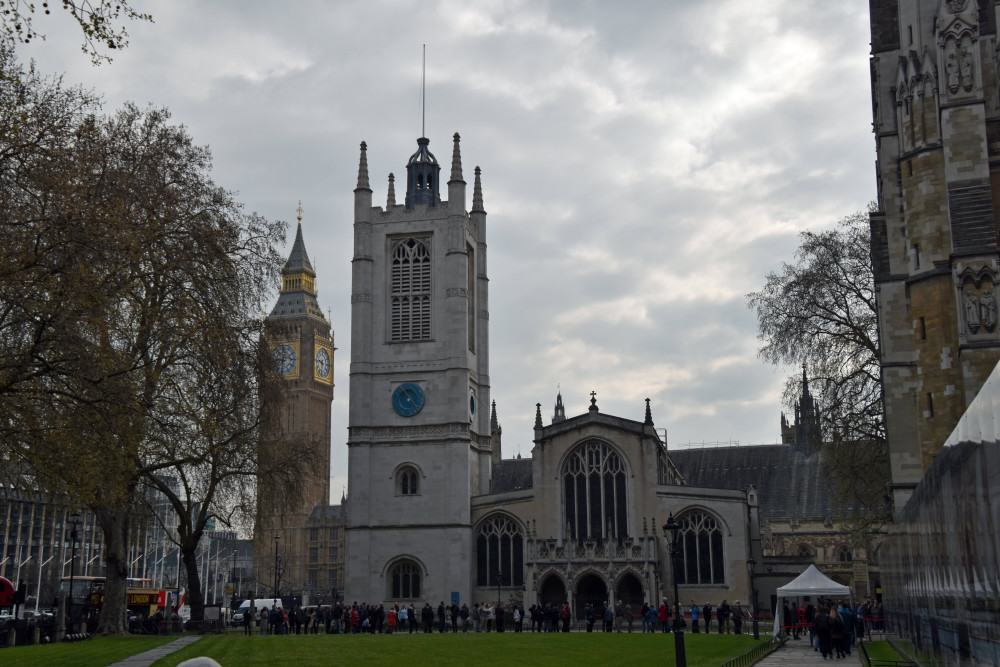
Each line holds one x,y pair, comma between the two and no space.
499,582
276,538
751,566
74,519
671,528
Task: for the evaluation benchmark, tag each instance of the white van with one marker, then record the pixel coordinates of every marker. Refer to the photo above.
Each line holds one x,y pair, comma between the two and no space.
260,603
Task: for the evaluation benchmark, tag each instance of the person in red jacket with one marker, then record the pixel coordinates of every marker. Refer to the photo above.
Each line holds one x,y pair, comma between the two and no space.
664,615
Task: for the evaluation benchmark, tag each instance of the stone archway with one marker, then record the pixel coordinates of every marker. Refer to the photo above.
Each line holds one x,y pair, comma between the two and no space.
630,591
552,591
592,590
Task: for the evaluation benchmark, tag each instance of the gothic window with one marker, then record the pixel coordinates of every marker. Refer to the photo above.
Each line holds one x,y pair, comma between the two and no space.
805,551
333,555
404,580
313,554
499,550
334,533
844,554
313,578
407,481
410,286
594,492
313,534
701,555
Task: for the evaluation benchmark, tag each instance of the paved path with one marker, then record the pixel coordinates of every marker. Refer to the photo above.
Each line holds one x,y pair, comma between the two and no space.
151,656
797,653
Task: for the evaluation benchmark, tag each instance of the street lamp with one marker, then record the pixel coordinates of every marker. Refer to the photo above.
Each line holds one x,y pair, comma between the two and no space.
499,582
752,565
74,519
671,528
232,578
276,538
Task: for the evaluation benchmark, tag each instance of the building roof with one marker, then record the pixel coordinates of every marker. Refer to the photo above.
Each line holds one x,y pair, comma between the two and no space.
298,259
326,514
512,475
789,484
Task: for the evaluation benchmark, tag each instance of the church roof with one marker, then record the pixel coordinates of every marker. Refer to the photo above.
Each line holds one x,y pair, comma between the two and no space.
789,484
325,513
512,475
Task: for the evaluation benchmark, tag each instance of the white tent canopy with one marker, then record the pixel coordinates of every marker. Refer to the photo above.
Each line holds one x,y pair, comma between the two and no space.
810,582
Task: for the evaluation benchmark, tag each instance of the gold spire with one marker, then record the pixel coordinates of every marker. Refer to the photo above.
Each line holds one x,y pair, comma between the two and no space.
300,211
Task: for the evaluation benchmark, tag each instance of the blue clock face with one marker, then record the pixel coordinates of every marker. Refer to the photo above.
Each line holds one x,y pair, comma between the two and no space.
285,356
407,399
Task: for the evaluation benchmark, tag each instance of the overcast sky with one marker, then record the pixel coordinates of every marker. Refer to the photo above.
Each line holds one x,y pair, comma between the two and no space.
645,164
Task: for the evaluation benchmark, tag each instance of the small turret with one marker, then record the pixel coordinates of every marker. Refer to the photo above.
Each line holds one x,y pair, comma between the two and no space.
422,176
560,411
390,200
363,191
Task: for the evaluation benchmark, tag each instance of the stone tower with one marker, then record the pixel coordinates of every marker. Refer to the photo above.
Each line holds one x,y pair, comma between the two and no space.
419,445
301,341
934,232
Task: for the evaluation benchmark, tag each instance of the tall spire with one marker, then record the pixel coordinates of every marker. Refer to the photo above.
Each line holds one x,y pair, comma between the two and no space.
391,199
494,424
477,194
538,416
363,169
649,415
456,161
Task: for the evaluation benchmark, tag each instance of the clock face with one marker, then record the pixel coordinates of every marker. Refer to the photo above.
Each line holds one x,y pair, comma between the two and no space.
322,363
285,356
473,404
407,399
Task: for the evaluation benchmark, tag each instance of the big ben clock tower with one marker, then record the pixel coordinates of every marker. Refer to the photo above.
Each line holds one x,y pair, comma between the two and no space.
301,342
419,445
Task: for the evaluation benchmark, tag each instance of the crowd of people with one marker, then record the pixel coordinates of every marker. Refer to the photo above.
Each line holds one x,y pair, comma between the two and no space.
489,617
833,627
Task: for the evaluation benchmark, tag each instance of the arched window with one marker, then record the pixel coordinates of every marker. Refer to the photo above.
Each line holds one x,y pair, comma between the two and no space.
700,550
844,554
805,551
594,492
410,285
499,550
404,580
407,481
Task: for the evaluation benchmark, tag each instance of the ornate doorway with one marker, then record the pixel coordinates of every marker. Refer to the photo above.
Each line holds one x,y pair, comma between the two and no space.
552,591
592,590
630,592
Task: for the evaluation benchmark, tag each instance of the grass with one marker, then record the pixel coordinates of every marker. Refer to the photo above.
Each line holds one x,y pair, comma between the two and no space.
882,650
464,649
95,652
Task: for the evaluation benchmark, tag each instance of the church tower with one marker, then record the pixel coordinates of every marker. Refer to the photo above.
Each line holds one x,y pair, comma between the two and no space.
419,446
301,342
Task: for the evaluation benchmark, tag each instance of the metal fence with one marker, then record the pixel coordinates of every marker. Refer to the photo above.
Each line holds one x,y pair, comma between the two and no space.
756,653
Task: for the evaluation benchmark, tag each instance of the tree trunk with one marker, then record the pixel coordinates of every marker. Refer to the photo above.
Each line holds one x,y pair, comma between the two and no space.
114,522
194,596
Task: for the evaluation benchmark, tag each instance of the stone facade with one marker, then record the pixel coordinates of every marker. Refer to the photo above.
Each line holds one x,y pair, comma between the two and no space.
936,105
434,512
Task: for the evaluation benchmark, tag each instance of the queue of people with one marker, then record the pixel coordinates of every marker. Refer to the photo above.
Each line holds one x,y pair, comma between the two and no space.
833,627
362,618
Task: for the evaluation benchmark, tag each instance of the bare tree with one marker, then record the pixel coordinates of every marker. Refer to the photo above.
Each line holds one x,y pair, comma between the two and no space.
129,284
820,311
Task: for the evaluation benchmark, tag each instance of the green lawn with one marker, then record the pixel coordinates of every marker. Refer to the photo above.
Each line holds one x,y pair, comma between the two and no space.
95,652
881,650
464,649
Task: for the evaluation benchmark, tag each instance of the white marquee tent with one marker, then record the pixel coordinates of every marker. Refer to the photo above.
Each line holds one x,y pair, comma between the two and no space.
811,582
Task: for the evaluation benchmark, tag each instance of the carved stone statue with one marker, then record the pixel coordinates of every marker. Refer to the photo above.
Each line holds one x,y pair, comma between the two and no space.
988,309
972,312
965,67
951,67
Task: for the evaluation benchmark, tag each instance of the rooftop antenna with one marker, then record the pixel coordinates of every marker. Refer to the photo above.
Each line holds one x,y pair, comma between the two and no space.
423,94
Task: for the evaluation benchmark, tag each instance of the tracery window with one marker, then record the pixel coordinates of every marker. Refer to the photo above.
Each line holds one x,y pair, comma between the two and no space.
594,492
410,290
701,553
404,580
844,554
407,481
499,550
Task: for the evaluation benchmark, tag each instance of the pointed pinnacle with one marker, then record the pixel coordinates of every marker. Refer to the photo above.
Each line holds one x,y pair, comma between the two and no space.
363,169
649,415
477,194
538,415
456,161
391,199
